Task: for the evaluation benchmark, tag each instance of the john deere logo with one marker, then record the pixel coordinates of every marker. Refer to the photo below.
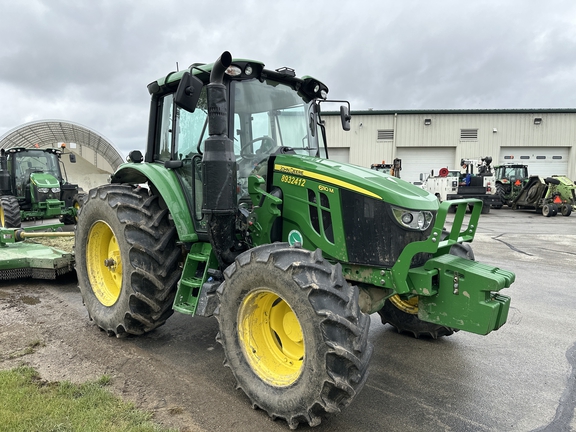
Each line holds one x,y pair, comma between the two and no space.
294,237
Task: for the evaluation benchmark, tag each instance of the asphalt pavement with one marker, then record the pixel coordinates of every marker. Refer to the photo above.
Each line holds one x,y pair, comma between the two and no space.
519,378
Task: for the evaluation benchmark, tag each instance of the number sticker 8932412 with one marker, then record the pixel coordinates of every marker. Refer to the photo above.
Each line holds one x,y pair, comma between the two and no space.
298,181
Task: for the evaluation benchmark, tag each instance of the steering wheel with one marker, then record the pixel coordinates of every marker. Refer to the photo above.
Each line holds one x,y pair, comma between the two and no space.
266,140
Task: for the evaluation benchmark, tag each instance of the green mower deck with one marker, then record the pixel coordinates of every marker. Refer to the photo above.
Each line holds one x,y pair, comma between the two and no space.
20,259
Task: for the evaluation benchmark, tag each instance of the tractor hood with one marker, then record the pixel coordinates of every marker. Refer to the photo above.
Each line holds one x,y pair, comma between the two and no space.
364,181
43,180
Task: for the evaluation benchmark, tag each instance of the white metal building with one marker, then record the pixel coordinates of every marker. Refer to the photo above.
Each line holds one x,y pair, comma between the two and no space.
431,139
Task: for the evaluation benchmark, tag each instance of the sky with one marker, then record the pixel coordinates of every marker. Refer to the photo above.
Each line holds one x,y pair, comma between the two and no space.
89,62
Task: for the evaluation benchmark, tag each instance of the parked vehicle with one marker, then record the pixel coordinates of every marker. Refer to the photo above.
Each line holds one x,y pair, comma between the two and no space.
393,169
510,179
32,186
461,184
242,219
549,196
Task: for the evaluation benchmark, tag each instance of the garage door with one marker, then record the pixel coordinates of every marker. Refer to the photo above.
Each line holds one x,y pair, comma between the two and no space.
542,161
416,160
339,154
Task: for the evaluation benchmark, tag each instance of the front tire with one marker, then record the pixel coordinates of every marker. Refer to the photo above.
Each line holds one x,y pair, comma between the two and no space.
402,314
10,212
73,219
293,333
126,260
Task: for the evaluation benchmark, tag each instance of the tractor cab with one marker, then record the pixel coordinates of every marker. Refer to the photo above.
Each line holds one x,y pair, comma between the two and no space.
511,173
37,176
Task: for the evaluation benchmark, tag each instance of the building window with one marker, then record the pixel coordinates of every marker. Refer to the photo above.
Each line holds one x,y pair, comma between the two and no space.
469,134
386,134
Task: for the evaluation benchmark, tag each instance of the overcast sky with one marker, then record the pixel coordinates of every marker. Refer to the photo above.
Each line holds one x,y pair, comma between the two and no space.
89,62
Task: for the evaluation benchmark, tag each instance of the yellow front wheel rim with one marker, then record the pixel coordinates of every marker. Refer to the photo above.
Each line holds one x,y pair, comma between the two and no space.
104,263
409,306
271,337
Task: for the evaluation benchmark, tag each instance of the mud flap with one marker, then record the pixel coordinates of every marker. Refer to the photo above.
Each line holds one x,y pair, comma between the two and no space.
467,295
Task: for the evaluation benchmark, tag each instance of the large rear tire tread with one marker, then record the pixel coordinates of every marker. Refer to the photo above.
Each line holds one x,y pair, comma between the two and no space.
501,192
11,212
150,259
335,332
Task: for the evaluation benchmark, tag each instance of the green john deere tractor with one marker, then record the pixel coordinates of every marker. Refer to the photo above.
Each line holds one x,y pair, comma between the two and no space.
33,187
235,212
510,179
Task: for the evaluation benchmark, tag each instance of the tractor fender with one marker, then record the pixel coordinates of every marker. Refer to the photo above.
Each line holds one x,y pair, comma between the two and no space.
166,183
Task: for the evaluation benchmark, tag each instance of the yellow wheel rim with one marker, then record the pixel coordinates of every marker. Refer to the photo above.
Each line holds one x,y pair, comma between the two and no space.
409,306
77,207
104,263
271,338
2,220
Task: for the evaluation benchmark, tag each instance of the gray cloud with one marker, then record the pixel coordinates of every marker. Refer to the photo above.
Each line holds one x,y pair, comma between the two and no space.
90,62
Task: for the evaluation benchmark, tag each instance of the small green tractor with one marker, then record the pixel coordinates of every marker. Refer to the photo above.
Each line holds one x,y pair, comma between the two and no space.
33,187
510,179
232,212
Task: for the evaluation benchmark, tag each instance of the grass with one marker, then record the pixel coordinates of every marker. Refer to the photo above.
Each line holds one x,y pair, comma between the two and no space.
31,404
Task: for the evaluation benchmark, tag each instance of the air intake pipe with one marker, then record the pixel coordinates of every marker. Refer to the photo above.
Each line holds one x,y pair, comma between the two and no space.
219,168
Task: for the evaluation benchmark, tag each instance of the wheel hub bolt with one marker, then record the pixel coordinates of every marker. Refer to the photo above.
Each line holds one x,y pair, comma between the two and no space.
109,262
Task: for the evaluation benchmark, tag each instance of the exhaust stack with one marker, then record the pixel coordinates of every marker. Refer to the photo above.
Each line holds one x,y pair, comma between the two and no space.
219,168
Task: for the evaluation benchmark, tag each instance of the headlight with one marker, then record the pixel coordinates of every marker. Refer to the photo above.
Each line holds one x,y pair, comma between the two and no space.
43,190
413,219
55,190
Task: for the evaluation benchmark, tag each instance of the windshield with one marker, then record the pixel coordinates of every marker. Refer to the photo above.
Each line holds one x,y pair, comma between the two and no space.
512,173
30,161
268,116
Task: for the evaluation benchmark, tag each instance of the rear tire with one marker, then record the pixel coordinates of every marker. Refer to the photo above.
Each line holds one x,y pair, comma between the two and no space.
403,314
10,212
293,333
501,192
126,260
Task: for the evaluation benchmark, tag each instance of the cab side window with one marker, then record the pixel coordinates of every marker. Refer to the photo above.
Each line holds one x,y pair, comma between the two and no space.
164,138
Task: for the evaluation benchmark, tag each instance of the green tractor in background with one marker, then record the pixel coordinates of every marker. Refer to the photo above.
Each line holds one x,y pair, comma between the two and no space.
236,212
510,179
33,187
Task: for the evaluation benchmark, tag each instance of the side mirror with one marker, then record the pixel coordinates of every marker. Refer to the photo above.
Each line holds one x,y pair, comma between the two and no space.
72,157
345,117
188,92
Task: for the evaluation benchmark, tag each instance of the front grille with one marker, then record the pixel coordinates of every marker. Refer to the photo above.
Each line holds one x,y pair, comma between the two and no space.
372,236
